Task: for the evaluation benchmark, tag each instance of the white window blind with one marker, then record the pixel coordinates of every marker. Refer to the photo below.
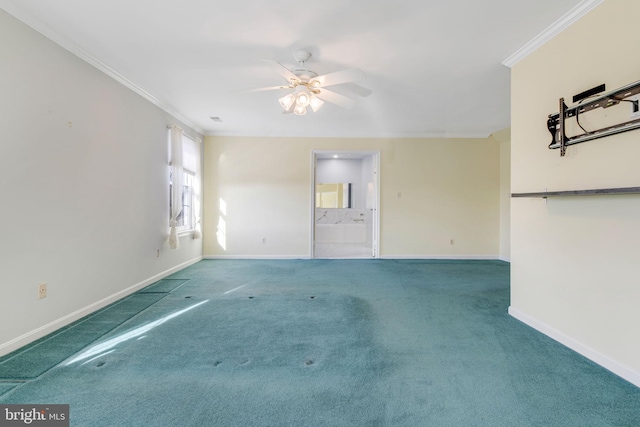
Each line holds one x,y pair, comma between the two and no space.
189,155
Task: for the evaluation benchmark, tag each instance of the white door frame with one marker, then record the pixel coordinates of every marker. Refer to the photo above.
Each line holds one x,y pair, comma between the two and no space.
376,193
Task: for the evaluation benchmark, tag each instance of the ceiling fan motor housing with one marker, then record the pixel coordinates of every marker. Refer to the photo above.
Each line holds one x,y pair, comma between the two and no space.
303,73
301,56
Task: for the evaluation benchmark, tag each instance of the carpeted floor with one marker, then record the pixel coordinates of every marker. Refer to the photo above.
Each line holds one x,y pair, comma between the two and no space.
317,343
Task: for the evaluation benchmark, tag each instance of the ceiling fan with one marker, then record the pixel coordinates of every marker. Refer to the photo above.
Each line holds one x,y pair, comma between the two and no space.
309,90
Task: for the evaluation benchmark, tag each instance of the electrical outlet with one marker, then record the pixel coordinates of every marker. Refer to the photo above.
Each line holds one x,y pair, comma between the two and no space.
264,240
452,242
158,254
42,290
635,106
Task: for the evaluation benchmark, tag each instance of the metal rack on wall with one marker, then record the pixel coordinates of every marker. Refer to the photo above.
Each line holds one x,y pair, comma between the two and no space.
595,192
556,126
556,121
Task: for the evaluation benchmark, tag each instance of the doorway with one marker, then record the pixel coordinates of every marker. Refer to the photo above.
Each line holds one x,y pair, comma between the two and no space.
345,204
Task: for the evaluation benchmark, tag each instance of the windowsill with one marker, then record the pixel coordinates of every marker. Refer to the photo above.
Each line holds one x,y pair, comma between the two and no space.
182,233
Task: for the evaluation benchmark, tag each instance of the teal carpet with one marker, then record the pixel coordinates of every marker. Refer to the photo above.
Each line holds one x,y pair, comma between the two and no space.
317,343
38,357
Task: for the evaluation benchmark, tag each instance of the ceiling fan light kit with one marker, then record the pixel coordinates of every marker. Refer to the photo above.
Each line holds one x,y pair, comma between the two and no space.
303,99
287,101
300,110
308,89
315,103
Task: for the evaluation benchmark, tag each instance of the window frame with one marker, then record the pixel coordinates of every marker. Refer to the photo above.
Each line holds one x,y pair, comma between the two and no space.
188,187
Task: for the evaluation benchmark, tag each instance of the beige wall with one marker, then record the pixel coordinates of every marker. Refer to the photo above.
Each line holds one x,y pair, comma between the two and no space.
84,188
503,138
575,260
449,190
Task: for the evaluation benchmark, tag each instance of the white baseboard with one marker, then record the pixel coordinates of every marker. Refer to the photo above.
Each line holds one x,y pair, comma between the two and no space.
606,362
426,257
306,256
29,337
443,257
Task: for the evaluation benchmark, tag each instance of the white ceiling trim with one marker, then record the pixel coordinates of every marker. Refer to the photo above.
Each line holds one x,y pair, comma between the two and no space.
553,30
383,135
62,41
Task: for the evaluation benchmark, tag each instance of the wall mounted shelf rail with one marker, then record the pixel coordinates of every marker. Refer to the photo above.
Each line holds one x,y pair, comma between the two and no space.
595,192
556,121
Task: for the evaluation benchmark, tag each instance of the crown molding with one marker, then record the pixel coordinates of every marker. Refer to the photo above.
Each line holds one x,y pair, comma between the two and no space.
59,39
363,135
566,20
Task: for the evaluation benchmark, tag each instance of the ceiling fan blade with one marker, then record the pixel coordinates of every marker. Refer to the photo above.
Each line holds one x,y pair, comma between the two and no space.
262,89
284,71
357,89
335,98
344,76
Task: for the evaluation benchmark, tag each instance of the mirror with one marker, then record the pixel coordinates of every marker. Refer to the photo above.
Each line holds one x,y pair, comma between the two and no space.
333,195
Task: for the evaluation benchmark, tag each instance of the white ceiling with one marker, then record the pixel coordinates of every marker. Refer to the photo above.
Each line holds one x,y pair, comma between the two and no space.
434,66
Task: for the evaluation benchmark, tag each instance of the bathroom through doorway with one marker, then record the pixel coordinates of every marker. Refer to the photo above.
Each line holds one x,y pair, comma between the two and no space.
345,210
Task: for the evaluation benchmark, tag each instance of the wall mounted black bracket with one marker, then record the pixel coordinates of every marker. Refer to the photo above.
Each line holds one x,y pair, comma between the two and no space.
556,121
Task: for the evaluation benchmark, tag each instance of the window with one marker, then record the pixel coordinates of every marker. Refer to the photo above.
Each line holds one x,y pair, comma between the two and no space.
185,217
186,166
